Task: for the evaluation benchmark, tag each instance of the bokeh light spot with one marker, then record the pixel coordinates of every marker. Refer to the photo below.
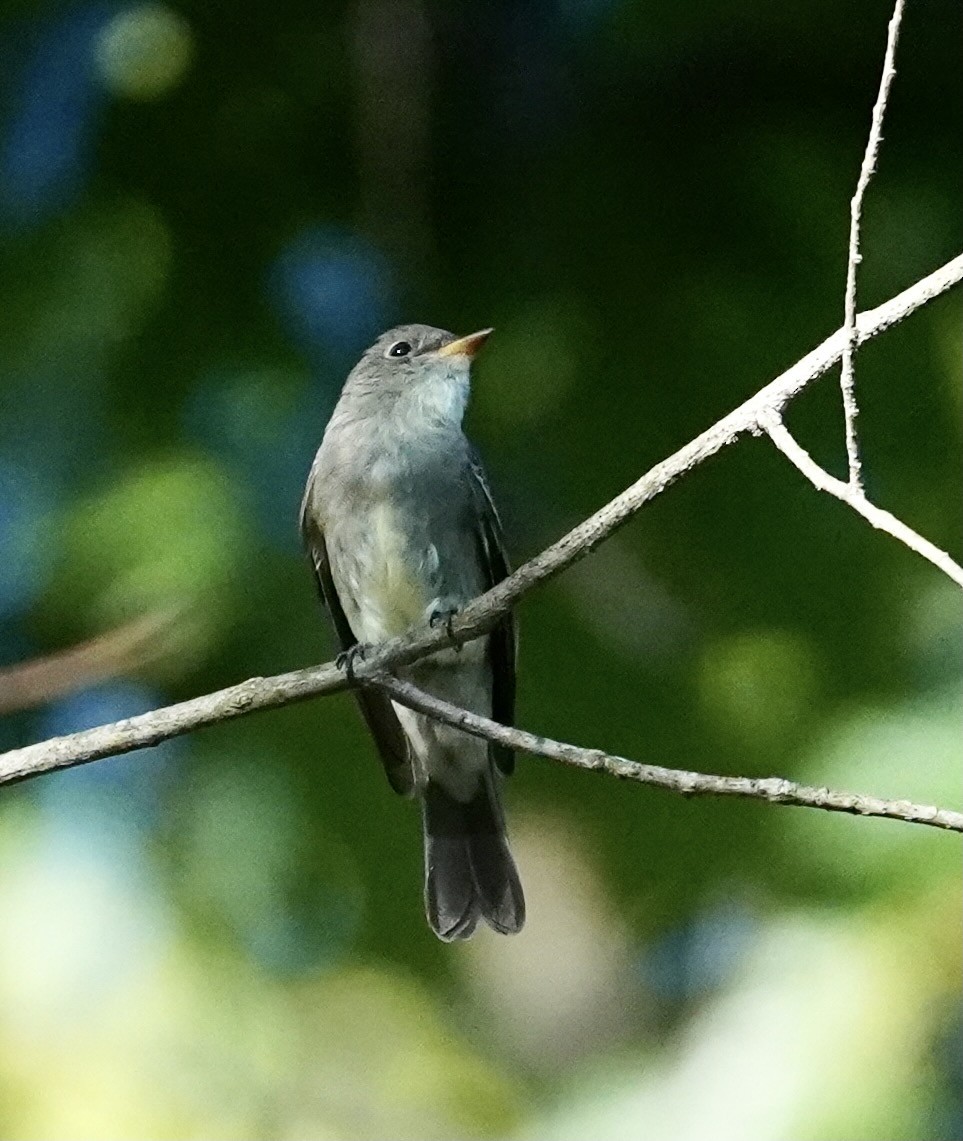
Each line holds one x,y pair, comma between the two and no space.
144,51
333,290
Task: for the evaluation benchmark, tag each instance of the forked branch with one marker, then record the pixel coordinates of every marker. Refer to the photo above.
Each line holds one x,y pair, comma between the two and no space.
855,498
755,415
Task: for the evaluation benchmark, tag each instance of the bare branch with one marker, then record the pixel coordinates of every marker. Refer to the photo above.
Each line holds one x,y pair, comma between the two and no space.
773,789
484,612
855,498
847,378
581,540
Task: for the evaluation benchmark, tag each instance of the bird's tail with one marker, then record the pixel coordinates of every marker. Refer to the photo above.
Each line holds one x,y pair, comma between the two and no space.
469,870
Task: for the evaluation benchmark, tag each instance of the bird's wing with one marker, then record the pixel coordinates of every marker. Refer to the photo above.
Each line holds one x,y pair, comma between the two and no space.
502,642
376,709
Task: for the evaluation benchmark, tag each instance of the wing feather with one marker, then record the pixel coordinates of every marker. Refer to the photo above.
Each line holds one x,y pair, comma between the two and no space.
503,640
377,710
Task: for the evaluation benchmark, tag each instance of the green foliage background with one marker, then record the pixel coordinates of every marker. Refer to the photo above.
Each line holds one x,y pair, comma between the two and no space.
206,212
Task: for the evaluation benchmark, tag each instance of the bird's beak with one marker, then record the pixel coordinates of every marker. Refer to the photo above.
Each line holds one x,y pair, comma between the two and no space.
465,346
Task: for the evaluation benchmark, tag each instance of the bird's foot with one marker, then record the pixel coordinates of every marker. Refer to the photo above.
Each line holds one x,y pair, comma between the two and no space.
349,658
444,616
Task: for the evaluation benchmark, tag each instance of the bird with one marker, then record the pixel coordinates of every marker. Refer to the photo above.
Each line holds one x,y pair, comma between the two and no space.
401,530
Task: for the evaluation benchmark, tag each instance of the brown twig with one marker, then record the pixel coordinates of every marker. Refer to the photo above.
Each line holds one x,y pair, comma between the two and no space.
24,685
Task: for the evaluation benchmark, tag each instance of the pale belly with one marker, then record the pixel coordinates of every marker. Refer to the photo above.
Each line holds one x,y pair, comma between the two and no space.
390,578
387,578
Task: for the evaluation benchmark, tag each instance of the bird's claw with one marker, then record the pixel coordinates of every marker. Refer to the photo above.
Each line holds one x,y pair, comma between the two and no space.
445,618
349,658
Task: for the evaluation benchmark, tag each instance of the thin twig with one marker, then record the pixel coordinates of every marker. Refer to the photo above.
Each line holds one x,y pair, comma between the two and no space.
847,379
480,616
773,789
855,498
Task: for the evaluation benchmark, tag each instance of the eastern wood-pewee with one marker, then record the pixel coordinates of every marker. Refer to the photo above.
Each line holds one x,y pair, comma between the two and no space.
401,528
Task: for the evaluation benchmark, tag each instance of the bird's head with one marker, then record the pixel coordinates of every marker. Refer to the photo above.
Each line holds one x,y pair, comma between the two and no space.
423,372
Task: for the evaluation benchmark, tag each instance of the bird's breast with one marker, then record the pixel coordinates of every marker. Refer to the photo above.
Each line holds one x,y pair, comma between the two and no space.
387,570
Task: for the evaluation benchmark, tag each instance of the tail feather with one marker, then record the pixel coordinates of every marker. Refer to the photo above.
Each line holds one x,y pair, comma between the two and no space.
469,870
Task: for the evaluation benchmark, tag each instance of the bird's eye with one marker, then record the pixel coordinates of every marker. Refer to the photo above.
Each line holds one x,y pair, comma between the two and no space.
399,349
